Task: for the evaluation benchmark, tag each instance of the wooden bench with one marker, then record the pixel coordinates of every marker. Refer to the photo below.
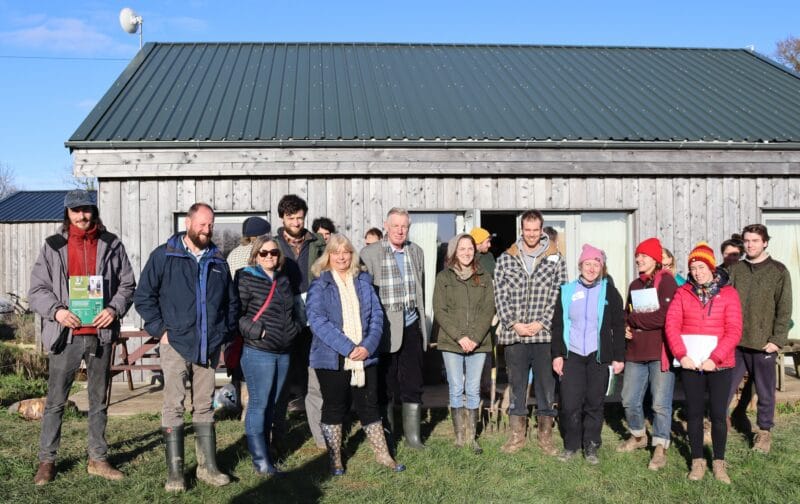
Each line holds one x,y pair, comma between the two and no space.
792,349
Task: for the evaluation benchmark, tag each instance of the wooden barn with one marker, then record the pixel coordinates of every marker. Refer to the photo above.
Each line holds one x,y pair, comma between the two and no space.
613,144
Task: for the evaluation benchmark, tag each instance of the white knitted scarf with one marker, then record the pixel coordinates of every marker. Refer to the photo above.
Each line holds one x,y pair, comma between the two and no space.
351,325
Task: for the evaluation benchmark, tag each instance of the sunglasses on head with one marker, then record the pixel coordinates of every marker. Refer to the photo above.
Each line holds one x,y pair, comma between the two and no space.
271,252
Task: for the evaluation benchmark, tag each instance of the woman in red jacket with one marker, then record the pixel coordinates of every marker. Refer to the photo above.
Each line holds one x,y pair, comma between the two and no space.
705,307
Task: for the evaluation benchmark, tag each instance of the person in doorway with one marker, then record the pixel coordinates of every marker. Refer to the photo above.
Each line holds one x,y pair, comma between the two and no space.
588,337
647,363
180,277
463,306
483,244
83,247
397,268
668,263
527,280
252,228
706,307
346,319
765,291
300,249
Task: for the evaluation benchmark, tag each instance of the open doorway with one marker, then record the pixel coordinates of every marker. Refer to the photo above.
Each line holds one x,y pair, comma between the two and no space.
504,225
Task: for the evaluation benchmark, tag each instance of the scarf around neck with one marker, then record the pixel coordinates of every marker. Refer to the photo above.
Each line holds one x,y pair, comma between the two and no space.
398,292
351,325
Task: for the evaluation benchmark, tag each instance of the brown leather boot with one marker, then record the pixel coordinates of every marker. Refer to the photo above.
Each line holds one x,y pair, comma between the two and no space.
45,474
517,438
544,435
632,443
763,441
105,470
720,471
698,469
659,459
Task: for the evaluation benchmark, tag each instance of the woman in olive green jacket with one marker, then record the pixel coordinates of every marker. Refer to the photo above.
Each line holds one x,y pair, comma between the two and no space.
463,307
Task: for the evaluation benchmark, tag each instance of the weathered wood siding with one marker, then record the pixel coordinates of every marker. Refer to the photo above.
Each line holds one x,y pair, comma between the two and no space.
681,196
21,243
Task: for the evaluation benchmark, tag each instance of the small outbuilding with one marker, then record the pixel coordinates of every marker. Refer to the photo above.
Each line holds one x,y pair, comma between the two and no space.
613,144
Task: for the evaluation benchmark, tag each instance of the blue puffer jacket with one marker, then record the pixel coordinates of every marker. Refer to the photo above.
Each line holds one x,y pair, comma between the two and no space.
324,309
196,303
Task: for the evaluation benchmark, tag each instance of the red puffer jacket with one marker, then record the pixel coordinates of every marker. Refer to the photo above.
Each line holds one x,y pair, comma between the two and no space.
721,317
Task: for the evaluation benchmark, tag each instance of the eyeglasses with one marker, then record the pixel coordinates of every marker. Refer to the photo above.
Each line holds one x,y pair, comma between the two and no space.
271,252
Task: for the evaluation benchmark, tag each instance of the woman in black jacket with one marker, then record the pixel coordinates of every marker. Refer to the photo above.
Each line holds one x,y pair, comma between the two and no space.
268,330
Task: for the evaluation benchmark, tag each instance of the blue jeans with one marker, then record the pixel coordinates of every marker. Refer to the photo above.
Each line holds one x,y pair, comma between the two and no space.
638,375
460,382
265,373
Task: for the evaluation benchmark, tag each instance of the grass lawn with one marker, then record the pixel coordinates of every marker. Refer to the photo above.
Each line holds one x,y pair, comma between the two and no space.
441,473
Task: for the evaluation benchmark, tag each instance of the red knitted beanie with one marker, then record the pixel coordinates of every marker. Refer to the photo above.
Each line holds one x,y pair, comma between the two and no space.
651,247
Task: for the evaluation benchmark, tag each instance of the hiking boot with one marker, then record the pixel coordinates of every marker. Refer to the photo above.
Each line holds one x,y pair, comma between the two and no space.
698,469
633,443
333,440
517,438
719,467
105,470
567,455
471,430
763,441
458,425
590,453
45,474
544,435
377,441
206,453
659,459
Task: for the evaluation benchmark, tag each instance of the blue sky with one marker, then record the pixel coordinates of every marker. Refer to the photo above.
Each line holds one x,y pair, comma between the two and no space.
57,58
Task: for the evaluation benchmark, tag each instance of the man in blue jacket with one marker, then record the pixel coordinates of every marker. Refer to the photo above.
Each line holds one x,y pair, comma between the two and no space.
187,299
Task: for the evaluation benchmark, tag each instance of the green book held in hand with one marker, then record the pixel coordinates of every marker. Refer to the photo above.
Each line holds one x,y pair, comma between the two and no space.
86,297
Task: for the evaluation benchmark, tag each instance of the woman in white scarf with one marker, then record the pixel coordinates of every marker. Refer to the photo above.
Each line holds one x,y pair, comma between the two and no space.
346,320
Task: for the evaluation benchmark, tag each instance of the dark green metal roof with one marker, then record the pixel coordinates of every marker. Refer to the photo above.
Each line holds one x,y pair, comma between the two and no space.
35,206
351,94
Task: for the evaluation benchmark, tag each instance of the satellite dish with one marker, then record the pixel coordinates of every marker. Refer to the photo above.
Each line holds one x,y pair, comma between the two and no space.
131,22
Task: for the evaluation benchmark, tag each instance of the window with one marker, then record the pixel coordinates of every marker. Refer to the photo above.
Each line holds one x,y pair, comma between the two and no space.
784,246
227,228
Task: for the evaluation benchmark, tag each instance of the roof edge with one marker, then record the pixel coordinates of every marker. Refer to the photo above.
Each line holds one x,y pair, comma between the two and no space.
438,144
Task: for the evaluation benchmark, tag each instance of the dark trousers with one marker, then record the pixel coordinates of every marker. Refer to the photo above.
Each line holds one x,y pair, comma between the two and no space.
337,395
718,384
520,359
297,379
61,374
583,391
402,370
760,366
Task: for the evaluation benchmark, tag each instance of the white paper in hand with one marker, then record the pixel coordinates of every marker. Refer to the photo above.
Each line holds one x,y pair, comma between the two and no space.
698,347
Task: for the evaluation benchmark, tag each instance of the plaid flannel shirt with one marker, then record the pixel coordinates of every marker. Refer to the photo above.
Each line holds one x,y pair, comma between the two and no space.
525,298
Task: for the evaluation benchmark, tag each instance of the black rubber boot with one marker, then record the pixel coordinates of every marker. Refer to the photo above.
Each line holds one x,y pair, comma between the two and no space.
206,452
173,439
412,418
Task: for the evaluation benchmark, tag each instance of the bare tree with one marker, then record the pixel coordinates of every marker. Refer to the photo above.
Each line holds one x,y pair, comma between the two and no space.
788,52
7,185
87,183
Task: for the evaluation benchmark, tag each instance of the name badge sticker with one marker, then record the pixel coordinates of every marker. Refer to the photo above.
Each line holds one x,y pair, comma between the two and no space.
578,296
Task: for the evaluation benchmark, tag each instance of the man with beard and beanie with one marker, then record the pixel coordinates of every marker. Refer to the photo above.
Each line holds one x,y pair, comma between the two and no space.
300,248
82,248
527,280
187,299
397,269
765,291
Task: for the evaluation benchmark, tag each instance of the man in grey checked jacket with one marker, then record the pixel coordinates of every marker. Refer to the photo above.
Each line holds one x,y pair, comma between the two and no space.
527,281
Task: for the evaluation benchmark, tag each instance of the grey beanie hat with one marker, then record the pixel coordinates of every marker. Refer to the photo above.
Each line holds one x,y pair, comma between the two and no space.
79,198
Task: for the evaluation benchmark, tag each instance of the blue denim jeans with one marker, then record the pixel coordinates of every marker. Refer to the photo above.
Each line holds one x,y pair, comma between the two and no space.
265,373
638,375
460,382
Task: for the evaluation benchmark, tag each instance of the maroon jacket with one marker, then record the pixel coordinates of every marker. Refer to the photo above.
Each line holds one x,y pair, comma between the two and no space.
648,342
720,317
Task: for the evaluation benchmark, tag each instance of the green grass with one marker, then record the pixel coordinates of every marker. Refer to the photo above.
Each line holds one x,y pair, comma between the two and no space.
441,473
